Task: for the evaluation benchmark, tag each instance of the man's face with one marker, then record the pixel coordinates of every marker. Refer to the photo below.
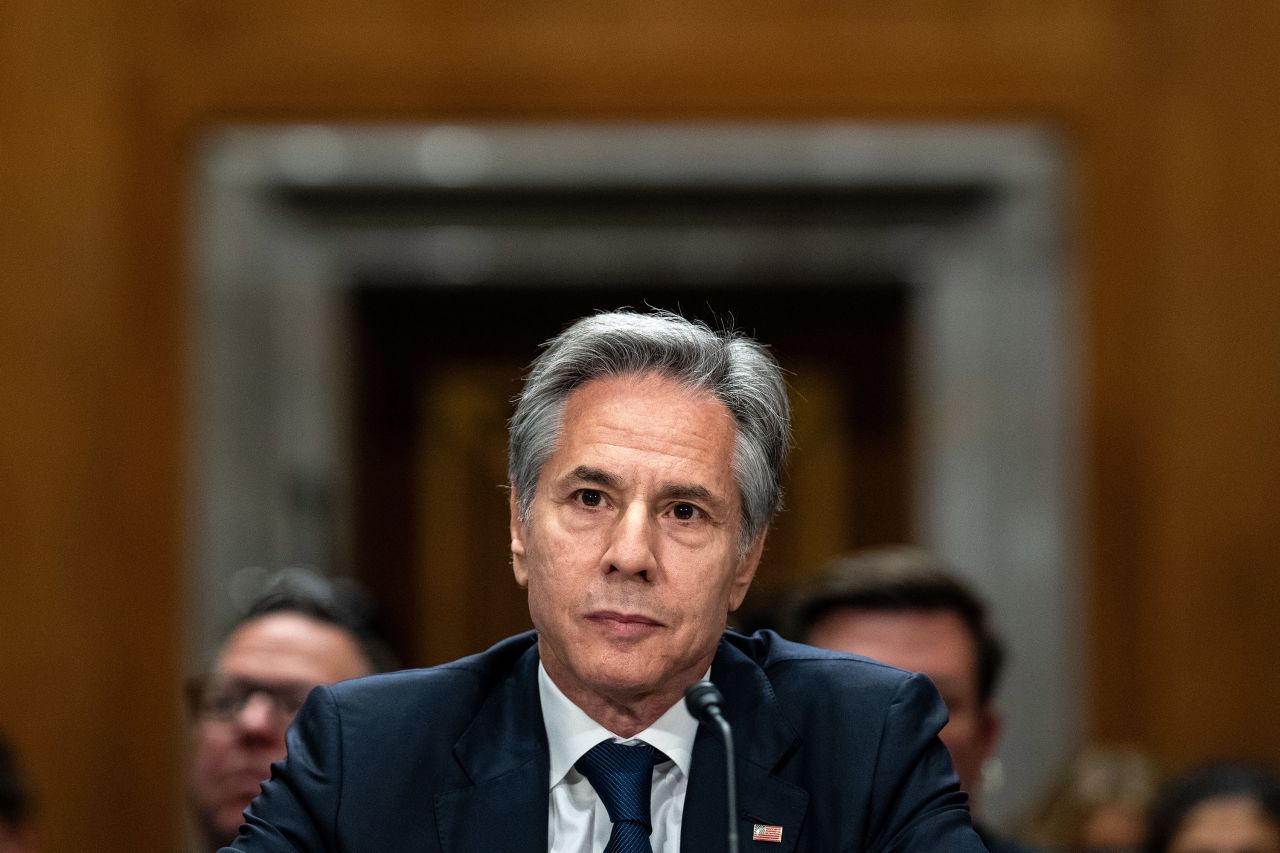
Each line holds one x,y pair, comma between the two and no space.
938,644
1228,824
631,553
268,665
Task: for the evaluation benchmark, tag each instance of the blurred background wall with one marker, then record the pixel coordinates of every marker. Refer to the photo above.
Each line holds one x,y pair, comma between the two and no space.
1170,111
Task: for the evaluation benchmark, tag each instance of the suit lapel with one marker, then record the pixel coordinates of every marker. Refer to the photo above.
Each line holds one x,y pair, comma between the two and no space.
504,752
762,738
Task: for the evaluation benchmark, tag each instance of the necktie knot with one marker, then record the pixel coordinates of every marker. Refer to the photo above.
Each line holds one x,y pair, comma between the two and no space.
621,776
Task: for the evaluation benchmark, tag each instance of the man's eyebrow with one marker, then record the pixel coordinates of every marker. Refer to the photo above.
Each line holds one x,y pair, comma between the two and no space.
689,492
587,474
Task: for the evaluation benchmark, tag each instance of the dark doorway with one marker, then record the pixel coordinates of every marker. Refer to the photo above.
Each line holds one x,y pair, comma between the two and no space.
436,370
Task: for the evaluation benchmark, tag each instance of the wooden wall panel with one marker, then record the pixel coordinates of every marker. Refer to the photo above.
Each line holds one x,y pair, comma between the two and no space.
91,605
1212,572
1169,106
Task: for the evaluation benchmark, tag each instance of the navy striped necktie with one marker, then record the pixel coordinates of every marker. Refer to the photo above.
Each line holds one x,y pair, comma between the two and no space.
621,775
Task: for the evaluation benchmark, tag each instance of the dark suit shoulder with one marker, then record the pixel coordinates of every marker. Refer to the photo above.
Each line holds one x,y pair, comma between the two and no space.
457,687
817,692
858,736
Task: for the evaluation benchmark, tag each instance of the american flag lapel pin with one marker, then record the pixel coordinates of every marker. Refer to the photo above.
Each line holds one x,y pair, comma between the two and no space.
765,832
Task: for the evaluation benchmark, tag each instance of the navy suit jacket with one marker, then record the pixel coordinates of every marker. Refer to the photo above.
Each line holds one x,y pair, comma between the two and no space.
841,752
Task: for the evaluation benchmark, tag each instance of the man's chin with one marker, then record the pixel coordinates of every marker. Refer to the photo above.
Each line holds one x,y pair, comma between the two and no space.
231,812
625,684
229,821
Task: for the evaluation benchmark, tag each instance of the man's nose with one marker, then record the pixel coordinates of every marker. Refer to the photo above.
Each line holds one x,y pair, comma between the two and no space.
631,550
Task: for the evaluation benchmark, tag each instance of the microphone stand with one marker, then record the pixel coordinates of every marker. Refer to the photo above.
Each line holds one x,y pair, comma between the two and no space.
703,701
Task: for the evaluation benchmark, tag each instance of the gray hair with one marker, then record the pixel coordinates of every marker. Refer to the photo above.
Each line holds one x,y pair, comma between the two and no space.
735,369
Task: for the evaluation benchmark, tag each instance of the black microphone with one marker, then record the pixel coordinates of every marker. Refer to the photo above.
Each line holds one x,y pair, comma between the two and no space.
703,701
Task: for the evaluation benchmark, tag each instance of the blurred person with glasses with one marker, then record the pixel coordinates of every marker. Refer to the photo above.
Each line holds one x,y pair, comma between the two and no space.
303,630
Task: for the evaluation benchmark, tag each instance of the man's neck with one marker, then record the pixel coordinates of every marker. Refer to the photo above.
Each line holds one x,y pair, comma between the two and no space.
624,713
626,719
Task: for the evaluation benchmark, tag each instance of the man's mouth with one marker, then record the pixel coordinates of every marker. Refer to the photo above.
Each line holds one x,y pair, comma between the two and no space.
624,624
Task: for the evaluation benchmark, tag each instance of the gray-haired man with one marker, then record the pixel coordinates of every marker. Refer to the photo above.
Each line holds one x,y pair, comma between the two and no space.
645,459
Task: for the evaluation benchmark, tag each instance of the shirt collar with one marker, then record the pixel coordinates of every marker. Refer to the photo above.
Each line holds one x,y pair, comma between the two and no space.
570,732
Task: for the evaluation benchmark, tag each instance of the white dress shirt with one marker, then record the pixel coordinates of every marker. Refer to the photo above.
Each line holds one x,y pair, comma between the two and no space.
577,821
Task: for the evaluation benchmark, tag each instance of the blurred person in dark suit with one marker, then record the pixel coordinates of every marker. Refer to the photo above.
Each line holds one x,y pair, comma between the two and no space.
302,631
1222,807
16,832
905,607
645,461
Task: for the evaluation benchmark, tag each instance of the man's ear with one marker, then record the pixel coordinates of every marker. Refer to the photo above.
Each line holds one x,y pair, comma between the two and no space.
518,567
746,571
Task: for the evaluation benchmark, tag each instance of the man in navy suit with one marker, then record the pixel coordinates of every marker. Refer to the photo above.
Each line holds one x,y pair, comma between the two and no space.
645,459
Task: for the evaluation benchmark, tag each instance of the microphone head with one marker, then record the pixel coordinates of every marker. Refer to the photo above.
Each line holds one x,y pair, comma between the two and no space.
703,700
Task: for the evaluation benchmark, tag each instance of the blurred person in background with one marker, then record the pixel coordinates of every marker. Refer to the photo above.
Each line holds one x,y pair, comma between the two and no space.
16,833
1224,807
903,606
303,630
1100,804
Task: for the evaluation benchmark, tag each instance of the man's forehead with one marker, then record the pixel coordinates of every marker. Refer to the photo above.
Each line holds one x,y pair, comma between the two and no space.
649,411
293,645
912,639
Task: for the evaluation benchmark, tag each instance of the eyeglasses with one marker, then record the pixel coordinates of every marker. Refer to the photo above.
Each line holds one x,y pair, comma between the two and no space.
223,699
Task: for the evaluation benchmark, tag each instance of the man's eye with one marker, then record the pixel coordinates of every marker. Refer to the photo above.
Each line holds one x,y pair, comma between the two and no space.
685,512
222,703
590,497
